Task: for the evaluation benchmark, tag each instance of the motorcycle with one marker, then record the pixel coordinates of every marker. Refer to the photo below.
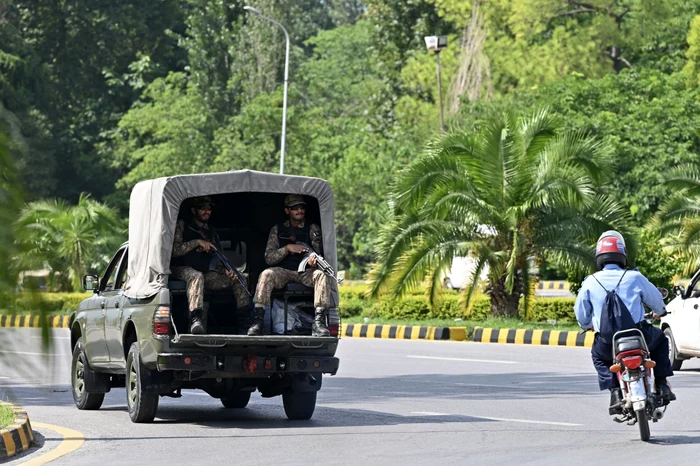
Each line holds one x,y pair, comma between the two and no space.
633,367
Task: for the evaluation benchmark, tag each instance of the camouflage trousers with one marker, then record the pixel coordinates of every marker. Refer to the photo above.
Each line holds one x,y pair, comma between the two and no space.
197,282
277,277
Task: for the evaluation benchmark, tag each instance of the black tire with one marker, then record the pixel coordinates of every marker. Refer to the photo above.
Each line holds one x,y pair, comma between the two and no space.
236,401
79,370
142,405
676,363
643,422
299,406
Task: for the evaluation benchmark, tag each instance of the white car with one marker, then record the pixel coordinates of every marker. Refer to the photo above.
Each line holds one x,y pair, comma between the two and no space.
682,324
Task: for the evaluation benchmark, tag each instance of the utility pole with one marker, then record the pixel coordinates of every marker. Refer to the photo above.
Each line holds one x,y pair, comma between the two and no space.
286,83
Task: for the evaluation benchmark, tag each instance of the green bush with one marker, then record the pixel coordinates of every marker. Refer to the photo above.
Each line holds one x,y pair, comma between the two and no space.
52,302
353,302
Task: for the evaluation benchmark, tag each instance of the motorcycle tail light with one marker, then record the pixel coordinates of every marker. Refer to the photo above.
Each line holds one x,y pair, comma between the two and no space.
648,364
161,320
632,362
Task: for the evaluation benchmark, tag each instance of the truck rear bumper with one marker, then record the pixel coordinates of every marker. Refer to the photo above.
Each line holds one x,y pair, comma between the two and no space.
246,366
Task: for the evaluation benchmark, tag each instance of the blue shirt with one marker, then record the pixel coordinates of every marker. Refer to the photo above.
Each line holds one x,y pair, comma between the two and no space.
634,290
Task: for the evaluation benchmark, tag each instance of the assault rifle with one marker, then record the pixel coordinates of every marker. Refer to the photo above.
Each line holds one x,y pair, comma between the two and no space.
321,263
219,256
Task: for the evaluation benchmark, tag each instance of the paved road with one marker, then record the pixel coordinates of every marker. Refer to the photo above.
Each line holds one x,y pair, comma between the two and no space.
409,402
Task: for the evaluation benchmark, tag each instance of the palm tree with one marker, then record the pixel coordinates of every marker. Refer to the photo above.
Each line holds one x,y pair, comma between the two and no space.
678,219
68,239
514,190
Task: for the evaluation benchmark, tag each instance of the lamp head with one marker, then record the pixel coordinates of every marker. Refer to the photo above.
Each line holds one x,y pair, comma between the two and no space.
251,9
436,43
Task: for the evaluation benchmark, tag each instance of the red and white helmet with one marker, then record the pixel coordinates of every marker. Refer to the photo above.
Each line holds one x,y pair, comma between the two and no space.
611,249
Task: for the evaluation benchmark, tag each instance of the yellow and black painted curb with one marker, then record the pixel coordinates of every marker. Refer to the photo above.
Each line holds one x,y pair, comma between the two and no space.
28,321
404,332
533,337
16,437
475,334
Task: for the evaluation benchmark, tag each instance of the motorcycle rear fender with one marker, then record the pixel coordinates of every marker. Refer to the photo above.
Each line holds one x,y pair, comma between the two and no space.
638,392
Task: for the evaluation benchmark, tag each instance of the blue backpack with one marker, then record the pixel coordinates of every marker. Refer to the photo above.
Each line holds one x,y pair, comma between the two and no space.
615,316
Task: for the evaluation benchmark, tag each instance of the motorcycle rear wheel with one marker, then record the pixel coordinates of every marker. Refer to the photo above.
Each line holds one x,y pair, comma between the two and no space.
643,422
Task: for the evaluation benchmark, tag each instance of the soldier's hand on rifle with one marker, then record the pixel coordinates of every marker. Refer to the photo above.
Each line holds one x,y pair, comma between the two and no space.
312,261
205,245
296,249
230,274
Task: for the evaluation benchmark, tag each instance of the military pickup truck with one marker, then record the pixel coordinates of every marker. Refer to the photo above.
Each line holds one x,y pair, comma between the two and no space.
132,332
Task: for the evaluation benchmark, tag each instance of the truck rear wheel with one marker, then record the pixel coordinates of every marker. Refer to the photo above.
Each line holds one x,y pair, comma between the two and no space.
299,406
236,401
142,405
80,370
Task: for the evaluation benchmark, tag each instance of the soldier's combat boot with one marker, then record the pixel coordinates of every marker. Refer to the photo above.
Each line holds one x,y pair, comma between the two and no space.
196,325
319,328
258,322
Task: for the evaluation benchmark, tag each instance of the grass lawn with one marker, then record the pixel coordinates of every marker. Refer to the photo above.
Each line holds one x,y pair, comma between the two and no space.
489,323
7,416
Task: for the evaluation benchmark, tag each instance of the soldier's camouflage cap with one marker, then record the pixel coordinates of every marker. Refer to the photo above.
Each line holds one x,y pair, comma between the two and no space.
294,199
201,201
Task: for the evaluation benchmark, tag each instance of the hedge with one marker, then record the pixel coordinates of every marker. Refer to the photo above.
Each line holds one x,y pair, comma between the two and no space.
50,302
353,302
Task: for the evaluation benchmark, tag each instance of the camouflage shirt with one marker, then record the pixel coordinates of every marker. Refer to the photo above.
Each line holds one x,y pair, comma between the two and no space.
274,253
181,248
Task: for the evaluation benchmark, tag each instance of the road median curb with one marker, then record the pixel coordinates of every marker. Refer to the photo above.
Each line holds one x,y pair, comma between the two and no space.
28,321
474,334
16,437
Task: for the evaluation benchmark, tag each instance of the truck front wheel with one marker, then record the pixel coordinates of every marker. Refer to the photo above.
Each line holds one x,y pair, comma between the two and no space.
80,370
299,406
142,404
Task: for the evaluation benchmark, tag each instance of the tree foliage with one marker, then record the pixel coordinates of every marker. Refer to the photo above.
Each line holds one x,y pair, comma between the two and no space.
104,94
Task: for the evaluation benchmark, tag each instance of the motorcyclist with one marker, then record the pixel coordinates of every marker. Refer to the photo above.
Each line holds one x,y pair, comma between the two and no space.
633,288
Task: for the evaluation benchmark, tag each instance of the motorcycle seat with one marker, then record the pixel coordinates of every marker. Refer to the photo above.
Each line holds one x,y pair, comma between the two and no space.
628,343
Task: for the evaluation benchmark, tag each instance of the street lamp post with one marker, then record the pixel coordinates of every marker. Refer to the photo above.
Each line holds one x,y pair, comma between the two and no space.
436,44
286,83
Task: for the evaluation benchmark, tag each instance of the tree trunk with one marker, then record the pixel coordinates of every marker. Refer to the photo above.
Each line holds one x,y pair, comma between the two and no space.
504,304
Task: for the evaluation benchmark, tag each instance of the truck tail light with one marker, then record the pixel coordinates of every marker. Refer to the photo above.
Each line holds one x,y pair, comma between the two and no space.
333,328
161,321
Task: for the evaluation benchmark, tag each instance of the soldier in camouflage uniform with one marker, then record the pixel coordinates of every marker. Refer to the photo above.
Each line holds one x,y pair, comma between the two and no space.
285,255
192,262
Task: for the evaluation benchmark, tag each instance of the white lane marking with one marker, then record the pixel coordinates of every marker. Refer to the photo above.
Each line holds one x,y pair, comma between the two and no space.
489,361
196,393
528,421
32,354
502,419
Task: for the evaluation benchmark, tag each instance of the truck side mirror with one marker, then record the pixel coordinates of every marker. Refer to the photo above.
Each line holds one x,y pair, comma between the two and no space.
91,283
664,293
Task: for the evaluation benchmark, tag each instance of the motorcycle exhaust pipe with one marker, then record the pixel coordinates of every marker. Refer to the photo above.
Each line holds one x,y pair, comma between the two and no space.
658,414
